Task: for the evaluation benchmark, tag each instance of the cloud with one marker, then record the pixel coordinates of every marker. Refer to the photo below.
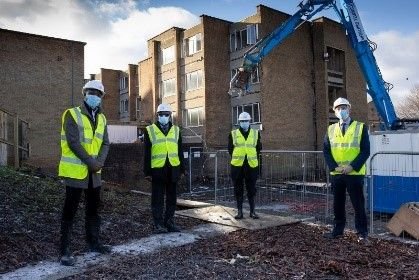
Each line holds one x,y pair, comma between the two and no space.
116,32
397,56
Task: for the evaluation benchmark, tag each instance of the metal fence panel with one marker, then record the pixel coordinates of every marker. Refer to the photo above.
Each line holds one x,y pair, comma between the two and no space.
393,181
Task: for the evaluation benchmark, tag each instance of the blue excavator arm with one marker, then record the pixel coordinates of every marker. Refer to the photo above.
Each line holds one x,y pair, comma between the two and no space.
348,14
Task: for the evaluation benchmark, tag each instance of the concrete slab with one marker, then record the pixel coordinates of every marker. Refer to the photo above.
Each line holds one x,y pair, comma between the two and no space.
192,203
225,216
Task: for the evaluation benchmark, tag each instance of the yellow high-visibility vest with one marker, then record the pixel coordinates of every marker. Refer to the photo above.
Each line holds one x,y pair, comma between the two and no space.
345,148
70,165
163,146
244,147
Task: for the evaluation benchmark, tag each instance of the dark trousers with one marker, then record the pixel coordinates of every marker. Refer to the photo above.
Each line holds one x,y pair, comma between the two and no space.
72,199
161,185
244,176
354,186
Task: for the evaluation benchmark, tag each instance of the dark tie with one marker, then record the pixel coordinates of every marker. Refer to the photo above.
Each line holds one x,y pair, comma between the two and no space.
343,128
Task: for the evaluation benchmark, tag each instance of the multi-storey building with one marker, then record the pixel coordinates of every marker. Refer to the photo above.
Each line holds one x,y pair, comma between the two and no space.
40,77
290,93
189,69
121,103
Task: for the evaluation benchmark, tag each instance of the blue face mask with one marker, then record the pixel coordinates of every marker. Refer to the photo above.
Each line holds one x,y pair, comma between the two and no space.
245,125
342,114
163,120
92,100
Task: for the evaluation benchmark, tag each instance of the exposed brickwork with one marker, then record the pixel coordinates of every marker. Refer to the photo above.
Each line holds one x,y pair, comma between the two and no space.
217,78
110,80
40,77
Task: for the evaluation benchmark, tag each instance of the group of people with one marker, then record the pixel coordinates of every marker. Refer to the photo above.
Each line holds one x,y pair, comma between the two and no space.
85,145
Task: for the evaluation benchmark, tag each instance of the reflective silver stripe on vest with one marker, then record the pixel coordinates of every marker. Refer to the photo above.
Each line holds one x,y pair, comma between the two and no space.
166,139
63,137
235,138
153,134
99,135
355,143
176,133
79,123
238,157
252,158
72,160
254,137
158,156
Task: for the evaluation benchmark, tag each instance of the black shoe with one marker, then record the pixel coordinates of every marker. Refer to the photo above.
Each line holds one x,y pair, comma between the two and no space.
253,215
158,229
363,238
172,228
68,260
100,248
332,235
239,215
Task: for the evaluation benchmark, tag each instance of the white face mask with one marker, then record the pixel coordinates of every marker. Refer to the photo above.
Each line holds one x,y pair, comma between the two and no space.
342,114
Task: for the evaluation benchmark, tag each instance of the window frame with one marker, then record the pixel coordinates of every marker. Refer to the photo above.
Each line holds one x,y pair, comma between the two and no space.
186,117
166,59
199,80
163,86
240,108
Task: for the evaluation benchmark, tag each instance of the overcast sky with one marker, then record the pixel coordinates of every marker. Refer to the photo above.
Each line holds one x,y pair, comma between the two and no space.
116,31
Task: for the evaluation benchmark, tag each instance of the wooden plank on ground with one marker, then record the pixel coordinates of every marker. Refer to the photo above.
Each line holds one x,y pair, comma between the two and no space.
225,216
192,203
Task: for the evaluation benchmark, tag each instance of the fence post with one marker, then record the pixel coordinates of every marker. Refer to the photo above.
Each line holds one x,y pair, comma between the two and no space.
16,140
190,169
216,178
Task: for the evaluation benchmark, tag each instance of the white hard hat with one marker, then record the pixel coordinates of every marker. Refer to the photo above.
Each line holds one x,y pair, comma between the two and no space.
94,84
244,117
164,108
341,101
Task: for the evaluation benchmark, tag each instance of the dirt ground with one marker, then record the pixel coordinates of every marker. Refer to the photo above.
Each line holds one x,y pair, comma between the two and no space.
30,210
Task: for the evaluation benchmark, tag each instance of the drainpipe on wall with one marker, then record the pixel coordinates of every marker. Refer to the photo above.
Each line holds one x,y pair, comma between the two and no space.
313,85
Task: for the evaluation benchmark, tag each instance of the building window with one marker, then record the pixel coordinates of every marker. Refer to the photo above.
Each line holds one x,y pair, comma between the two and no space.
335,76
168,88
192,45
168,55
193,117
242,38
193,80
252,109
254,76
123,106
123,83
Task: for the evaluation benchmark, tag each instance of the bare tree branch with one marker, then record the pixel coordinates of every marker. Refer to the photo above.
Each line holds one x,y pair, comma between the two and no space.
409,107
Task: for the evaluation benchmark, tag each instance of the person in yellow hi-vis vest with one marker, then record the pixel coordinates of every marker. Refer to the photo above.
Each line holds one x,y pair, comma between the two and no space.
244,146
163,165
346,149
84,148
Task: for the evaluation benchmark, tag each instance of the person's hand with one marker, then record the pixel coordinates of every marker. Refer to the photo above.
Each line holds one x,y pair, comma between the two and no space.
95,166
148,178
339,169
347,169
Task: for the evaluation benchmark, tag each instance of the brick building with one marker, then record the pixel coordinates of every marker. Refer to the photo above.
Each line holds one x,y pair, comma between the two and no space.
40,77
192,75
121,103
290,94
